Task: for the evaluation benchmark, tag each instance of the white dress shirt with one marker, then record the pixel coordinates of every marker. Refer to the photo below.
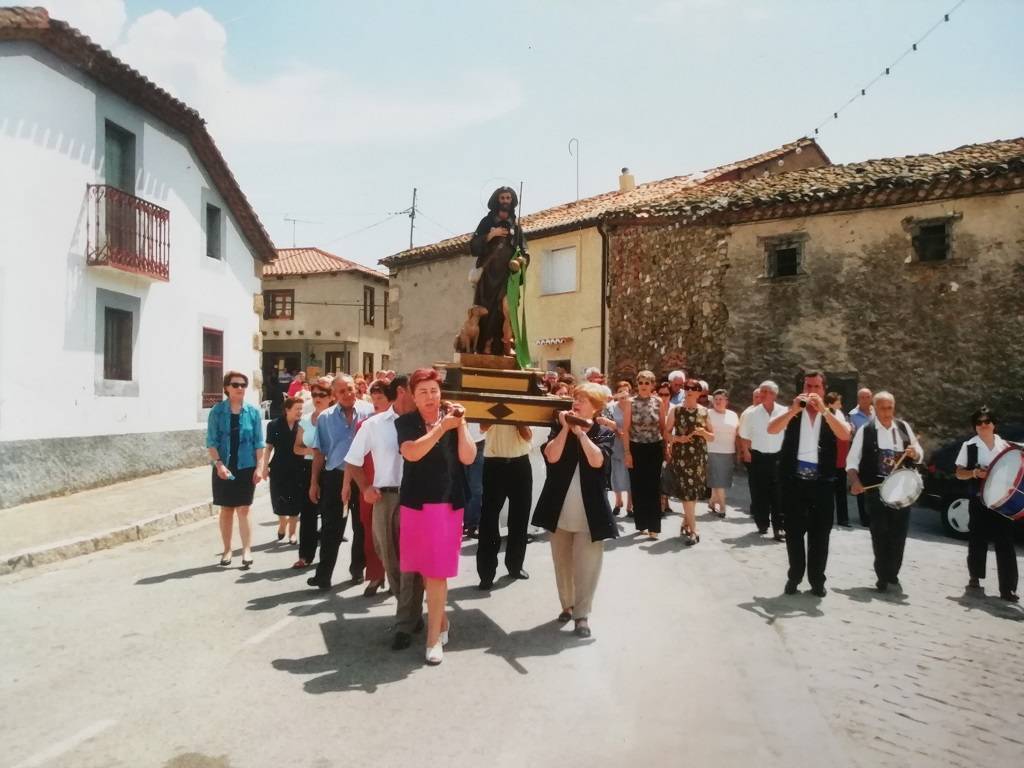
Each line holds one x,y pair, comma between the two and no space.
807,449
888,440
754,428
985,455
377,436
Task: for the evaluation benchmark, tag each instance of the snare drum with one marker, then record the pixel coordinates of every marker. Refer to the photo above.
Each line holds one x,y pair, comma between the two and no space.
901,489
1003,488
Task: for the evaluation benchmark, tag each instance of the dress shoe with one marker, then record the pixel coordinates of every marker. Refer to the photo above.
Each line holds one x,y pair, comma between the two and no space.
402,641
790,588
1010,597
300,564
896,585
974,584
435,654
818,590
762,531
779,536
520,574
582,628
881,586
565,616
485,584
313,581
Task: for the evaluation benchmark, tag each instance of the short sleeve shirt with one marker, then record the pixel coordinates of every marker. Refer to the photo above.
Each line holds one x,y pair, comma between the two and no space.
437,478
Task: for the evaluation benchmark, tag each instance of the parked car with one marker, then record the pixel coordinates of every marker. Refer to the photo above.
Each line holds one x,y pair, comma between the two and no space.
942,491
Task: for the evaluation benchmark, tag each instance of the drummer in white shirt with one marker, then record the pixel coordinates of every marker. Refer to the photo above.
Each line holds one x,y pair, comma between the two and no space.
986,525
378,437
875,451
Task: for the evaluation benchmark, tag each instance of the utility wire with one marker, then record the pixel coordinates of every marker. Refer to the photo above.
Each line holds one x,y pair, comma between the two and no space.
362,229
435,222
888,70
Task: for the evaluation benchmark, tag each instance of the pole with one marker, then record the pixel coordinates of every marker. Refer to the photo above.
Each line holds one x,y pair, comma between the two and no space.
412,216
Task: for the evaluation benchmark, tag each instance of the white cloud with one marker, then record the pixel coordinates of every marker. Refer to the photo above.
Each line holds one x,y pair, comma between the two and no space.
102,20
186,55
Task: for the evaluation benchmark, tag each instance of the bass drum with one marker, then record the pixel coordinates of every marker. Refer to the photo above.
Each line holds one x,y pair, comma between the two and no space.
901,489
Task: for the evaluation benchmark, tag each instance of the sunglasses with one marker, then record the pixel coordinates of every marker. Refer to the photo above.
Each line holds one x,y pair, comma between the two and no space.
695,388
238,385
982,421
320,394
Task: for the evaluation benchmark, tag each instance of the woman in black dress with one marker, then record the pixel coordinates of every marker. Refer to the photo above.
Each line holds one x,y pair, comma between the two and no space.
284,468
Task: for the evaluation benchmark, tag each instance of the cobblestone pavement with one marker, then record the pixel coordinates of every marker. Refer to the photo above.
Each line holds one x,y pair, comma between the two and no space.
151,655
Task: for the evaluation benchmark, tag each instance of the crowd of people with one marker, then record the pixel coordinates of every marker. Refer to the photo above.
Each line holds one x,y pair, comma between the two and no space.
416,479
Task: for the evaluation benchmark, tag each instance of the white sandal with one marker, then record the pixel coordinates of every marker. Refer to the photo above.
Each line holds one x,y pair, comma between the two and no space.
435,655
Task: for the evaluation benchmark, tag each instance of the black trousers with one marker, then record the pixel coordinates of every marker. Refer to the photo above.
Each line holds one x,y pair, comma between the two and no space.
765,492
333,522
808,505
510,479
988,526
842,510
862,512
645,483
888,536
309,516
750,487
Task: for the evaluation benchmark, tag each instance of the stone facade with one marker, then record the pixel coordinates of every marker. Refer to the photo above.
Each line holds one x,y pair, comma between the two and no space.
942,336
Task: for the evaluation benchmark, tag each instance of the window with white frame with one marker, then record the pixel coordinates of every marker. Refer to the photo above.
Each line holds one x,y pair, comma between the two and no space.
558,271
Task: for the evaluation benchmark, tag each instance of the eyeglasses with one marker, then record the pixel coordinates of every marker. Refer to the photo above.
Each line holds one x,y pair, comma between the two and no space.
320,395
982,421
645,382
238,385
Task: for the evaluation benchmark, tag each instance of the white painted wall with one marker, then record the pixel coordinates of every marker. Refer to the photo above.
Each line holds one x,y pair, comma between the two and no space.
51,146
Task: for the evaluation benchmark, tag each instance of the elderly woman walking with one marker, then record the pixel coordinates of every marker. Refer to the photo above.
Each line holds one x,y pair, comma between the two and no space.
721,450
619,475
435,443
574,505
643,423
686,439
234,440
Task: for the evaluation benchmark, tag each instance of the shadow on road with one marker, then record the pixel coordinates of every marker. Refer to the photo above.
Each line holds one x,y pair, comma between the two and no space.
783,607
994,606
751,539
868,594
187,573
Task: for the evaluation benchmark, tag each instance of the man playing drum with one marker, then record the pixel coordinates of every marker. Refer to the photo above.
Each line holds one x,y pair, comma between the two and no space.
877,448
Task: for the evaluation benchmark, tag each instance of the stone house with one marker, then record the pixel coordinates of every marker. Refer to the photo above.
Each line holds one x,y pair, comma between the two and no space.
130,265
899,273
323,311
566,296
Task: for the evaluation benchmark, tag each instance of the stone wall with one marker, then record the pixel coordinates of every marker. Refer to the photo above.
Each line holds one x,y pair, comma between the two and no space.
944,337
36,469
666,307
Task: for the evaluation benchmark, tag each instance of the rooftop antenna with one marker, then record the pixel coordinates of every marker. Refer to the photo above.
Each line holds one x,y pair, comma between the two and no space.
577,156
295,221
411,213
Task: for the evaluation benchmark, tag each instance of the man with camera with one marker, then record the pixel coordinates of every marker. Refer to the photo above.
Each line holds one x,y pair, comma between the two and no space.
807,463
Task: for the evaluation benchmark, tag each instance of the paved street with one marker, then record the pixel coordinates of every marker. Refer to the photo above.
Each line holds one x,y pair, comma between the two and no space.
151,655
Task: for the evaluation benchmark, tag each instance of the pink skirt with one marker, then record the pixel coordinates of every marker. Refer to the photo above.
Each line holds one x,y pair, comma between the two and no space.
429,540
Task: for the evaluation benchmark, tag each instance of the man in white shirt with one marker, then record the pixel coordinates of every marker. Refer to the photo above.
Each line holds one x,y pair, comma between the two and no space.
876,449
743,446
765,502
378,438
860,416
807,465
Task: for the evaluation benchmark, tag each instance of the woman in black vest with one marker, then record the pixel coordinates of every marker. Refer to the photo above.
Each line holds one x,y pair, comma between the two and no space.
574,505
986,525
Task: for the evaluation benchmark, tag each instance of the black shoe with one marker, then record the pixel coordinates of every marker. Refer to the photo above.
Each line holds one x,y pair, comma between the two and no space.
356,579
762,531
845,524
225,561
779,537
246,564
520,574
818,591
617,511
1010,597
313,581
582,629
972,584
485,584
402,641
790,588
565,616
881,586
896,585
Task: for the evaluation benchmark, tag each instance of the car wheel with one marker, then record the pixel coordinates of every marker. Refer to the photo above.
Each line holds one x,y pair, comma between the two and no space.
956,517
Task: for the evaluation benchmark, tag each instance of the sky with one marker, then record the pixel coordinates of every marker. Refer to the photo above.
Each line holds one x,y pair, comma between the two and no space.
333,111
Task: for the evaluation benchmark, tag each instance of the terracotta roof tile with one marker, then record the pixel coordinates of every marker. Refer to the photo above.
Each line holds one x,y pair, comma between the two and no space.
66,42
586,212
314,261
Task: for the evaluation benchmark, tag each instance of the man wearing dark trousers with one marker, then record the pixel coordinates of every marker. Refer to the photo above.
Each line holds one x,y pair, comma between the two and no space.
807,463
507,476
860,416
335,429
764,448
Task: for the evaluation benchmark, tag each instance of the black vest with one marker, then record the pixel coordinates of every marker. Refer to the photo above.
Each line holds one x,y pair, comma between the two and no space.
867,470
791,446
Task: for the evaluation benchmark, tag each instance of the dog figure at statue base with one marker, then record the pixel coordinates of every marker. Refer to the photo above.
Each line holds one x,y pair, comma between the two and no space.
467,338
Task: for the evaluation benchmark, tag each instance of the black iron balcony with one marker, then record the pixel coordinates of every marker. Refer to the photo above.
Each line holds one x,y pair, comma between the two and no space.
128,233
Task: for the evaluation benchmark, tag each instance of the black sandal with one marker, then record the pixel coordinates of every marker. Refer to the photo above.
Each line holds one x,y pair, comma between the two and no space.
565,616
246,564
582,628
225,561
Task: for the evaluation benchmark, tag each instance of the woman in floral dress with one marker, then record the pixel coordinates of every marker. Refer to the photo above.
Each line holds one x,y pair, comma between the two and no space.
687,434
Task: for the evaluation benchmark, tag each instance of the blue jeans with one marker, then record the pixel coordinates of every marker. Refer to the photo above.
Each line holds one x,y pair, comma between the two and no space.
475,474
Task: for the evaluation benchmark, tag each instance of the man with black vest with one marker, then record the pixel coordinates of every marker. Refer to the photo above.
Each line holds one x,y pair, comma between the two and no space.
807,463
876,449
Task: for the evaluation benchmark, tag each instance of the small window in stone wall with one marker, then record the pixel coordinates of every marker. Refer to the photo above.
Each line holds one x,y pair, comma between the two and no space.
931,241
784,257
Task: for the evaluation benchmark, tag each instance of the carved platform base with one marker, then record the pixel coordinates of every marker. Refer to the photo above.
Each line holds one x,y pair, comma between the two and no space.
493,395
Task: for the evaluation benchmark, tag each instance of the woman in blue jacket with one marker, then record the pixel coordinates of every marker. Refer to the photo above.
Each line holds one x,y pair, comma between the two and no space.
234,439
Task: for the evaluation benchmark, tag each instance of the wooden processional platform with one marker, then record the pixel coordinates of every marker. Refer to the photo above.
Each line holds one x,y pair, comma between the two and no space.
494,391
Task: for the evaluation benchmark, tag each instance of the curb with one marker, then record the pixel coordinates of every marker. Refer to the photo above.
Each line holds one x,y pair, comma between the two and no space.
136,531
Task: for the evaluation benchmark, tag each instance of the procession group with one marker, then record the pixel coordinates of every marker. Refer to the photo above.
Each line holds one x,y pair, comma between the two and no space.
415,478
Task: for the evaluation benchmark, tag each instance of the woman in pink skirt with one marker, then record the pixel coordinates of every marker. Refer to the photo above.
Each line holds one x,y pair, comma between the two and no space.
435,443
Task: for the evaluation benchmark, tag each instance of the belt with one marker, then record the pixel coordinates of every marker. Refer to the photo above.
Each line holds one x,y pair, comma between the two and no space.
503,460
389,489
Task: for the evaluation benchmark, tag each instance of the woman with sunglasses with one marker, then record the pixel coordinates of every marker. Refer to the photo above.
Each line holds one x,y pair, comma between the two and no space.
643,421
985,525
320,390
687,435
234,440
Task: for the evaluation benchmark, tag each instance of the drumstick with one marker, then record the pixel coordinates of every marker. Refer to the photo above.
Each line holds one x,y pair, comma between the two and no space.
894,468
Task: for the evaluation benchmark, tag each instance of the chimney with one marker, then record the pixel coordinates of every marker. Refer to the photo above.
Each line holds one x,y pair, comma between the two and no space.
626,181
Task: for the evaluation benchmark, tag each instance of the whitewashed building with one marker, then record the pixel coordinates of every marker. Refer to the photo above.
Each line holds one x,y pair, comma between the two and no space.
130,266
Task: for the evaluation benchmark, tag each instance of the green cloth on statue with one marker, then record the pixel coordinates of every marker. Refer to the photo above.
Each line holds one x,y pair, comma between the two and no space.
514,294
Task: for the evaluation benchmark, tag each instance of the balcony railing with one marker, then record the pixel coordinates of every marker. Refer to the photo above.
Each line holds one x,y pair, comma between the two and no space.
128,233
